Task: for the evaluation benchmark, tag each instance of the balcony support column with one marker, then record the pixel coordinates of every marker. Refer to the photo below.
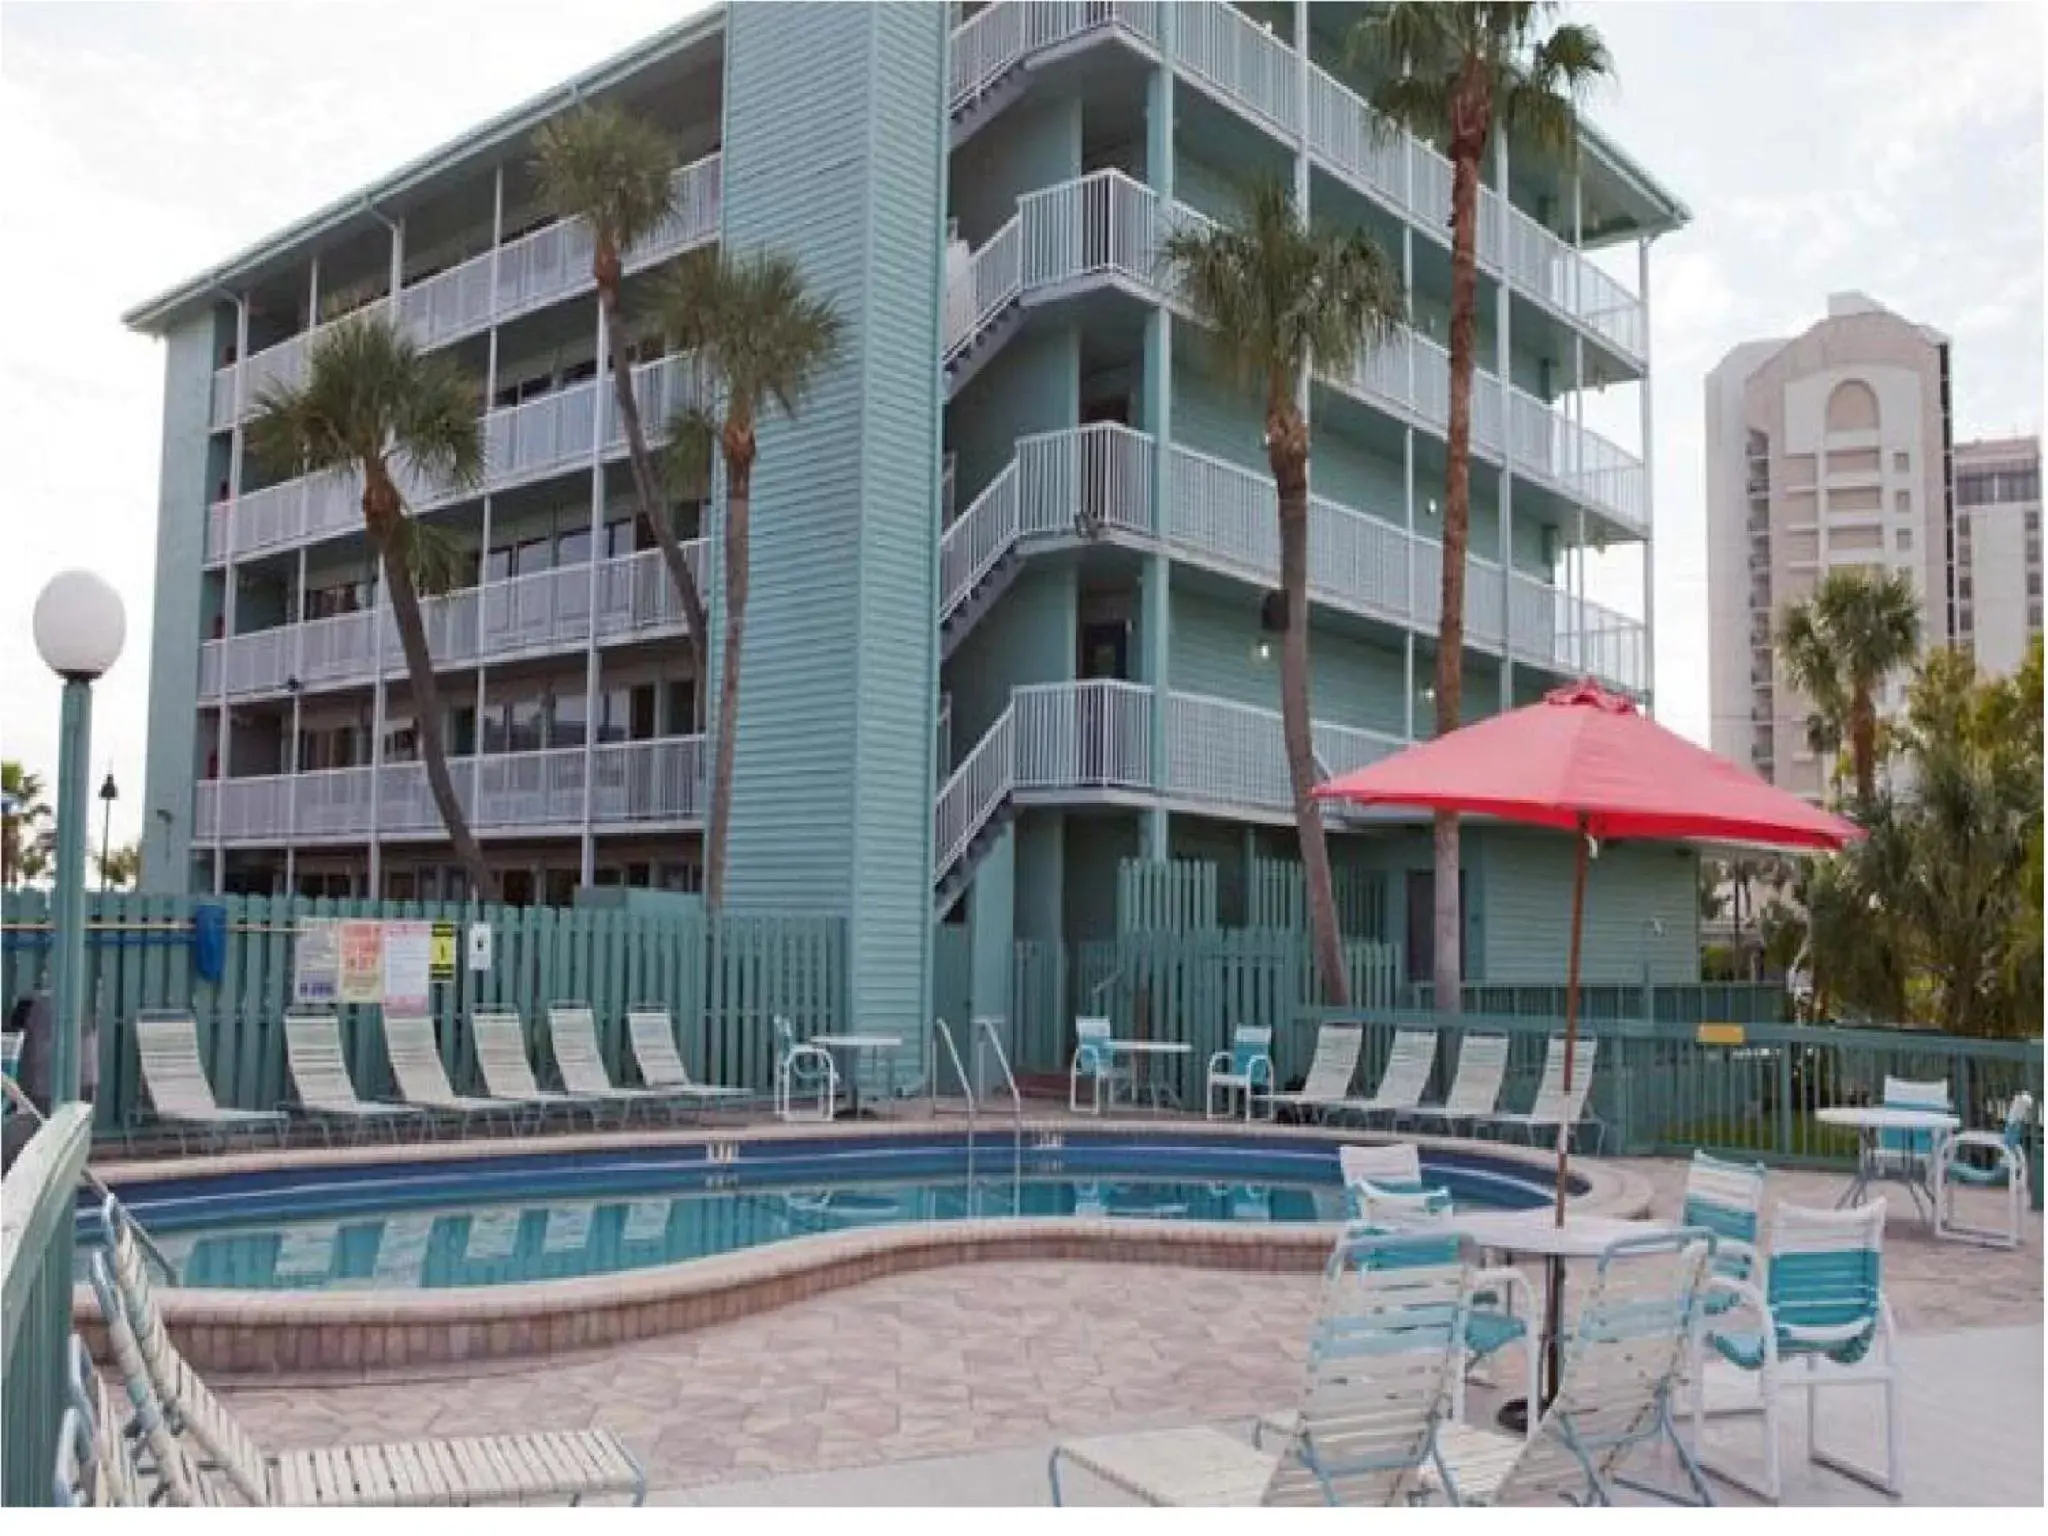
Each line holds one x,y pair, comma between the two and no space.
1503,309
1156,580
1649,432
1408,506
296,683
600,421
228,578
483,571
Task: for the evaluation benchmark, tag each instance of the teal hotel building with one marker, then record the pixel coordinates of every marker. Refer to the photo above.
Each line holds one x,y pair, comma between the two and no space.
1009,625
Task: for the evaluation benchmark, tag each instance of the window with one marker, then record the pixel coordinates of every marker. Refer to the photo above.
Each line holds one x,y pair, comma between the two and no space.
1902,462
1902,501
532,555
570,719
523,733
462,731
498,564
1966,589
1905,538
682,710
2033,522
613,717
2033,583
574,548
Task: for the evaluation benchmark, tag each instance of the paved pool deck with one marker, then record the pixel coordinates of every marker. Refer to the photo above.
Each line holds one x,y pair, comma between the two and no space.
949,1386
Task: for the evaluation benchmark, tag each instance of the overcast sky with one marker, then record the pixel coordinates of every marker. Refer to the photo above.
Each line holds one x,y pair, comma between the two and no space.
1891,148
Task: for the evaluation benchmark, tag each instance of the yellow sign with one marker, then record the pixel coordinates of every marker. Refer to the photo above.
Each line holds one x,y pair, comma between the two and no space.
1721,1034
441,959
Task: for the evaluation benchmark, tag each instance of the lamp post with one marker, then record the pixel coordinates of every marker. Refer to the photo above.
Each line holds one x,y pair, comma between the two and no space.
79,628
108,795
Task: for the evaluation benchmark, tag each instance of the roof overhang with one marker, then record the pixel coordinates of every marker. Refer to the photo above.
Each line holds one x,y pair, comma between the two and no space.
156,315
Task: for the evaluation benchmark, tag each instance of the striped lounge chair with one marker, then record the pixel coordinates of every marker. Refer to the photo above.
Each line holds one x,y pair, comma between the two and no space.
179,1094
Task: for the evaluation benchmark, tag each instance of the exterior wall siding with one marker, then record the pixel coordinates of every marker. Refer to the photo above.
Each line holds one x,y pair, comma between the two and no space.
182,495
1630,888
1215,651
832,795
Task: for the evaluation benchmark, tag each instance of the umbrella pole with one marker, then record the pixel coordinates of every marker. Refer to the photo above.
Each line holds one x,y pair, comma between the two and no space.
1571,1006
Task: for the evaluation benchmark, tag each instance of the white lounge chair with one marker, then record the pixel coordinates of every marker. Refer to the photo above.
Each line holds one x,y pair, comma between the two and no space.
326,1093
1556,1106
524,1468
1475,1091
423,1080
179,1093
1980,1160
1409,1062
1329,1072
1246,1068
1382,1373
572,1032
1822,1300
508,1074
653,1036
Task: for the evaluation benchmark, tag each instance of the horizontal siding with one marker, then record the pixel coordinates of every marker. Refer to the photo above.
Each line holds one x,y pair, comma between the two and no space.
1215,651
1628,887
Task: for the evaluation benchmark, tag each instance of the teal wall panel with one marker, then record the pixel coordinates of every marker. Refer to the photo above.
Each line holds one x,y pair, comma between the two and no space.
1095,845
1040,874
1630,888
182,496
832,800
1034,385
1216,652
992,917
1028,637
1037,145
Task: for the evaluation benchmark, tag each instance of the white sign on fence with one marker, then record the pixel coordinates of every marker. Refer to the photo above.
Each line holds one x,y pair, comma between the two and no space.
479,946
316,962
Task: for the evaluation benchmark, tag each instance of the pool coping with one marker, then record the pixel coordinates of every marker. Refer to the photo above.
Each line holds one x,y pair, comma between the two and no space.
278,1333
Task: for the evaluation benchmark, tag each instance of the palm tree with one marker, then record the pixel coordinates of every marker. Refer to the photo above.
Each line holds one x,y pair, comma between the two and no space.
761,341
374,405
1274,295
25,832
120,866
613,172
1839,645
1453,74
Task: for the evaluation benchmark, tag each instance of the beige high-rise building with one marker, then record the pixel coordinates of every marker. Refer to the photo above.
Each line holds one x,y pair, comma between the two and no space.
1828,450
1998,549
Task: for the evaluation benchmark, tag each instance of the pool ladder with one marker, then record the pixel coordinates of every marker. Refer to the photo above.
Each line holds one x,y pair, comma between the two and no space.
986,1036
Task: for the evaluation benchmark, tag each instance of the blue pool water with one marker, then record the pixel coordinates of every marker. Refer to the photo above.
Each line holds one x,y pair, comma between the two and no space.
505,1220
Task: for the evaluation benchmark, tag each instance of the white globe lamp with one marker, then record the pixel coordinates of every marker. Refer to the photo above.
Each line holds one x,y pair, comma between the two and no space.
80,626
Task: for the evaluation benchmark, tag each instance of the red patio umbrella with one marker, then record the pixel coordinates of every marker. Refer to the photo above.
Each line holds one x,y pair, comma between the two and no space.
1589,762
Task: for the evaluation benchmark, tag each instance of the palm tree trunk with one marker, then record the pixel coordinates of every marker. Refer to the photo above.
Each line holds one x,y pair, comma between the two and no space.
1863,744
1287,452
419,668
739,490
1450,643
647,488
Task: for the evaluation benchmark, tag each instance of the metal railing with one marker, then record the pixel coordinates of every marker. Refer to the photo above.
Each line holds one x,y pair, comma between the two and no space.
542,267
1244,64
37,1200
990,283
653,782
521,442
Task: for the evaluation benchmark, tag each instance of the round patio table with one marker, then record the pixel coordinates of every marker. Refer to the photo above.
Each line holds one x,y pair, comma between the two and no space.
853,1045
1537,1233
1913,1169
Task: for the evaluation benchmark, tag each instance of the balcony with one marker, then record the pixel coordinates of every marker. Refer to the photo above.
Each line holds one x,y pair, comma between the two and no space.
538,269
627,784
1097,480
1106,228
498,621
1093,739
1239,63
569,428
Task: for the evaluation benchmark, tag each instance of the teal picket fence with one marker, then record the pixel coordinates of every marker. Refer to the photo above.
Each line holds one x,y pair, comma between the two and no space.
1165,896
1192,987
1277,897
1665,1087
40,1192
723,980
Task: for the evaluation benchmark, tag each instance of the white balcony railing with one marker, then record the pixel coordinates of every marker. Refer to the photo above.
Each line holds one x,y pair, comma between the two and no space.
498,621
522,442
989,284
630,783
1096,735
547,265
1245,65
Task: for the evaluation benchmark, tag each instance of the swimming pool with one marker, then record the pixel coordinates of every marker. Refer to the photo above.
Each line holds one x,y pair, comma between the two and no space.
511,1219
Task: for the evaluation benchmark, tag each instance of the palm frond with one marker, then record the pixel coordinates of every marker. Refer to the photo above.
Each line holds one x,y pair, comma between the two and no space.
759,335
608,168
1274,294
436,561
687,460
435,424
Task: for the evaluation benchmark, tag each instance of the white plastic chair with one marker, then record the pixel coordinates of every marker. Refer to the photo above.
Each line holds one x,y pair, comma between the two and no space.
2006,1168
801,1067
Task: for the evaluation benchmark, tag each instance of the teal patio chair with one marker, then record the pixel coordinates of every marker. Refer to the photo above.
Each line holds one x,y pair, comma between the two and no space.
1246,1068
1095,1060
1982,1160
1822,1302
1727,1199
1908,1156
